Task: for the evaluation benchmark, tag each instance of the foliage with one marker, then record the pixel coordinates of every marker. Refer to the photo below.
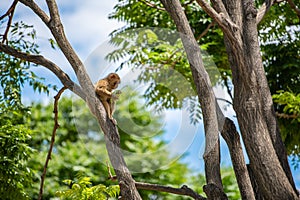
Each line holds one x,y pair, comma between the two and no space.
80,146
281,54
278,34
230,184
15,73
15,134
289,104
81,189
14,152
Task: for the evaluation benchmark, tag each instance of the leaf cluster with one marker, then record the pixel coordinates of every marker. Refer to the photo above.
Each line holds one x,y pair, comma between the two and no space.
15,175
15,73
82,189
289,122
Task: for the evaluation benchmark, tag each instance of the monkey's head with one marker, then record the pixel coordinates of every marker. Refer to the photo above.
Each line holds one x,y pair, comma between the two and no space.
113,80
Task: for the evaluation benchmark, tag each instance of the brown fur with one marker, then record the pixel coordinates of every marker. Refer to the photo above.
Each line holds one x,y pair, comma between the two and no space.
104,89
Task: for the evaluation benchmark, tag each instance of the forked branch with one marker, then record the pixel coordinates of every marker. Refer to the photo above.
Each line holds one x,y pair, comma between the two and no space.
10,14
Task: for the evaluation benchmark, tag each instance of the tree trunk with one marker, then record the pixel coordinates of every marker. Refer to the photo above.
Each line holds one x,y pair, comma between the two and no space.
53,21
206,97
253,105
232,138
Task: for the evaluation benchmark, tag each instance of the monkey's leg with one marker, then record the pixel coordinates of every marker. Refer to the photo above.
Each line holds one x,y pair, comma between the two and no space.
112,110
107,108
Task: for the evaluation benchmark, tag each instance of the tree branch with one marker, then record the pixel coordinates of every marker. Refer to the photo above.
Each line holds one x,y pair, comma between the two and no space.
205,31
37,10
56,126
10,14
204,91
266,6
294,7
184,190
232,138
112,140
221,18
152,5
40,60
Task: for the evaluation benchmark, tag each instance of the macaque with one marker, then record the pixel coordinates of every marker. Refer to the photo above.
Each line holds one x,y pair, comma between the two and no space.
104,89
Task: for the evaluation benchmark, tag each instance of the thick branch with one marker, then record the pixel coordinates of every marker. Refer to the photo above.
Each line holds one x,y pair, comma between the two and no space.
232,139
204,90
112,139
56,126
184,190
221,18
40,60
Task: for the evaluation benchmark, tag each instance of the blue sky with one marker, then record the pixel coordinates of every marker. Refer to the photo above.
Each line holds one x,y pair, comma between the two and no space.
87,28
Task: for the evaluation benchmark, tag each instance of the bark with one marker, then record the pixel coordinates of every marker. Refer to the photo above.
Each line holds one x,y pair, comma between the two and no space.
253,102
205,94
85,90
232,139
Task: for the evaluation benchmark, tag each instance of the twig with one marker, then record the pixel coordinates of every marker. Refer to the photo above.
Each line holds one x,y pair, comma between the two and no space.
152,5
225,100
56,125
205,31
110,176
10,14
286,116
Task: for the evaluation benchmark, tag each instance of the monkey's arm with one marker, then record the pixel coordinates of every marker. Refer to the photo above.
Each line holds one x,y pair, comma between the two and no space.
102,89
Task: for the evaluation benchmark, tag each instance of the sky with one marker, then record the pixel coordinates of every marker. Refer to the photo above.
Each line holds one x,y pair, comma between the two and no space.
87,27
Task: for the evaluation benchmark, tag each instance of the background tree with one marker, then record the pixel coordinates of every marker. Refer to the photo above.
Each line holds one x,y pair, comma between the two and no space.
80,147
283,24
262,174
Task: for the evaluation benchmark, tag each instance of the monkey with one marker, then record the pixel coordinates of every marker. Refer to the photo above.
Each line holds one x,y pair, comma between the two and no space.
104,89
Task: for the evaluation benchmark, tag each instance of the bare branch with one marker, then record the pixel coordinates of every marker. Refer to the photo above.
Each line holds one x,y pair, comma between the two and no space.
205,31
184,190
287,116
56,126
10,14
11,8
294,7
152,5
40,60
53,10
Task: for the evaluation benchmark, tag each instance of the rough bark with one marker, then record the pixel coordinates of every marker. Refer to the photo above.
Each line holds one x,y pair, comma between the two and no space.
232,139
205,94
253,103
85,90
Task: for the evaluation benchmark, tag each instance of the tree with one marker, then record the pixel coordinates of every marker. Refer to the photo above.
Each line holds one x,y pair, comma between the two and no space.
252,100
239,26
85,88
80,148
